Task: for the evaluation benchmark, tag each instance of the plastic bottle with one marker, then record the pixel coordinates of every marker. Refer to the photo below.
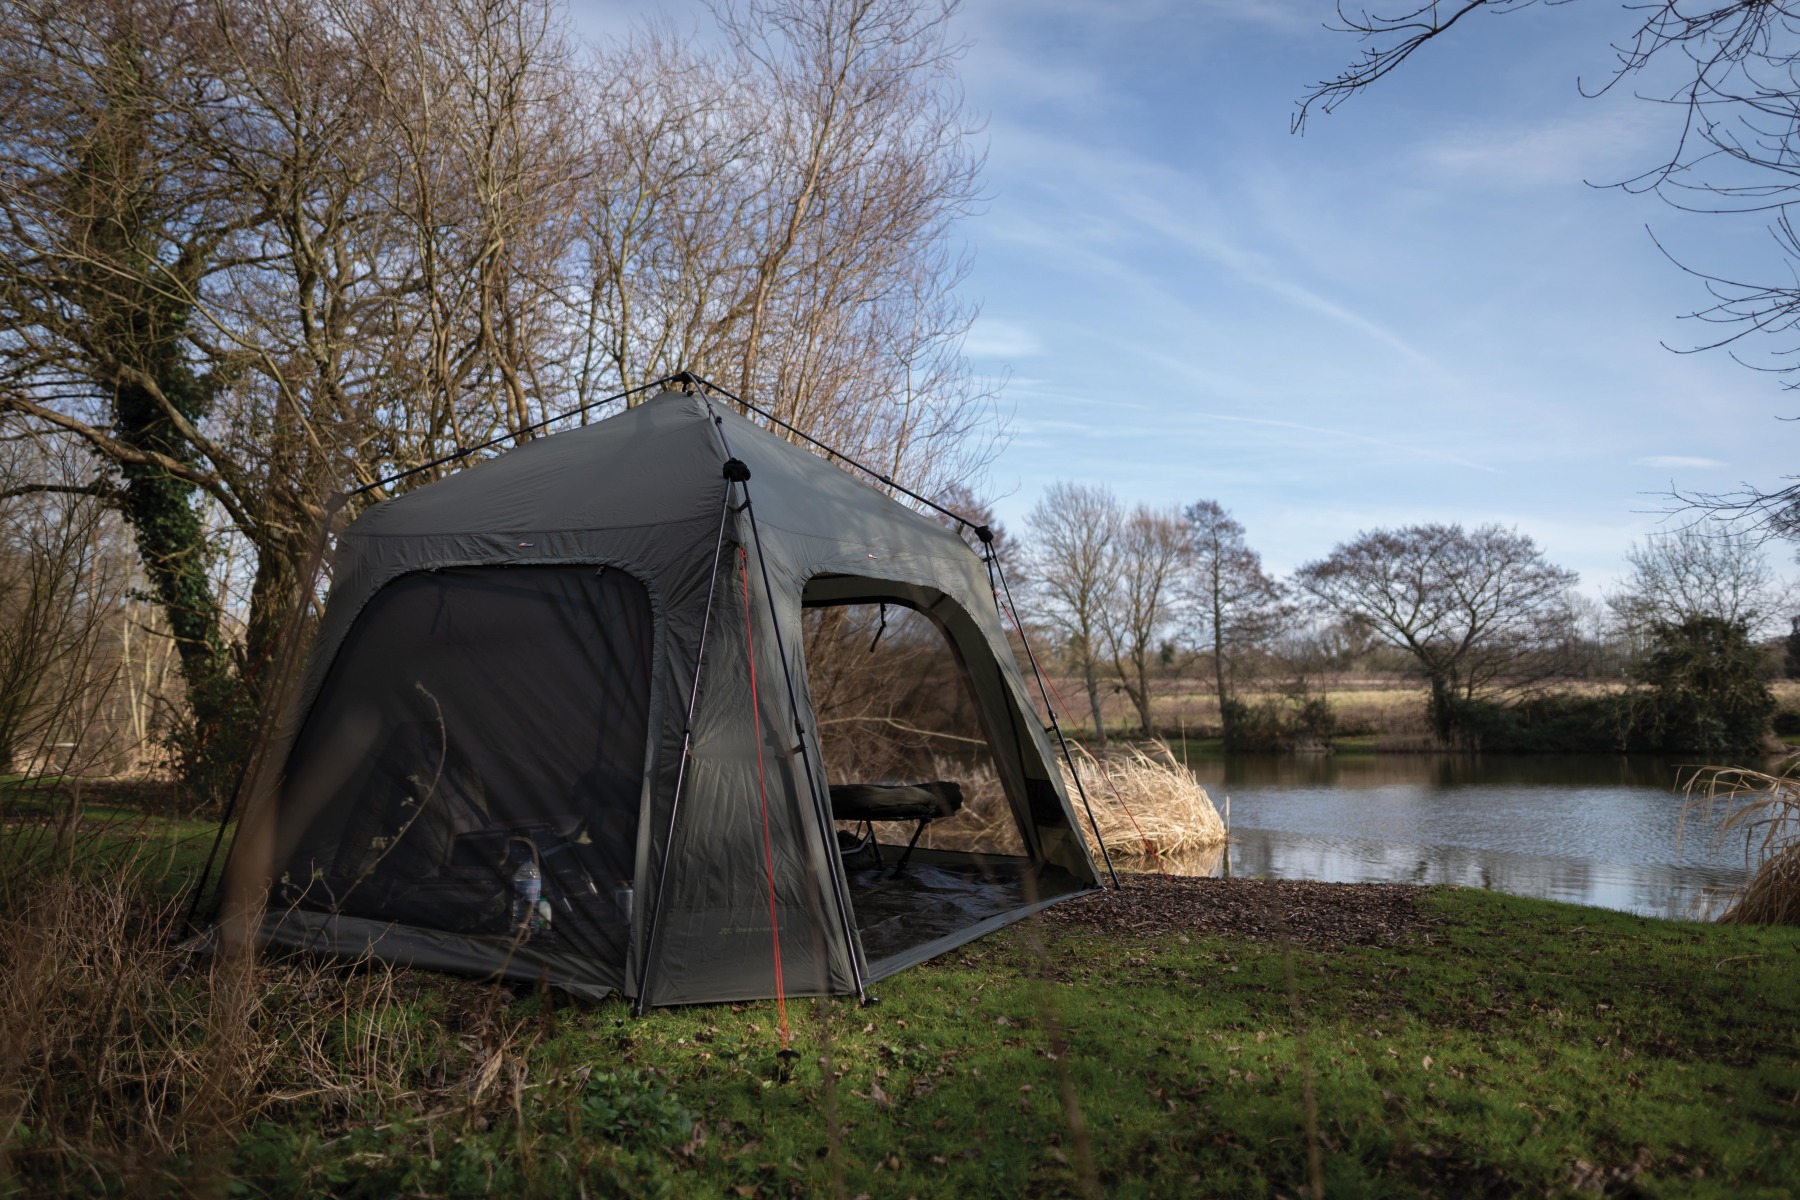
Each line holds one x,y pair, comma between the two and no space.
528,887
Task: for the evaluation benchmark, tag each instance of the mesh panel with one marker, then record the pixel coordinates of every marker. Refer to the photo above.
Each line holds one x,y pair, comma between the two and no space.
475,720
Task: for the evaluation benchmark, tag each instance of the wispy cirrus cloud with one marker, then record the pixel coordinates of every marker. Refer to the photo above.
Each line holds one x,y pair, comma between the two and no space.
1677,460
1598,144
999,338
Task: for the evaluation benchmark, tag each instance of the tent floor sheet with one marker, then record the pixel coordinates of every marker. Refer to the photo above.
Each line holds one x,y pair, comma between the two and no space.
942,893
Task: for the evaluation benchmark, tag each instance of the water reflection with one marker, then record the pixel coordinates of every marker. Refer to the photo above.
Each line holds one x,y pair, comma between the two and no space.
1600,830
1207,860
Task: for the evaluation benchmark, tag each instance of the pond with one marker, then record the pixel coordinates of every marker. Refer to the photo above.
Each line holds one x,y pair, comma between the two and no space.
1599,830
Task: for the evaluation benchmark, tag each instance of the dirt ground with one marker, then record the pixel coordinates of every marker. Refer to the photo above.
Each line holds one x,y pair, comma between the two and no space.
1309,913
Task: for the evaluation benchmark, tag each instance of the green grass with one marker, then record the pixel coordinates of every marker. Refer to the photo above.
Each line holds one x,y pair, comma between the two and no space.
1523,1044
1516,1046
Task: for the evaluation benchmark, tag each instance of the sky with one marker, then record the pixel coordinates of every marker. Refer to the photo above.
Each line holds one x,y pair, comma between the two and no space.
1421,310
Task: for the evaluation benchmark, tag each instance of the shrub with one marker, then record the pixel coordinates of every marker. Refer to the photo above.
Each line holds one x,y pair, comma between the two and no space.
1707,691
1549,724
1278,723
1147,804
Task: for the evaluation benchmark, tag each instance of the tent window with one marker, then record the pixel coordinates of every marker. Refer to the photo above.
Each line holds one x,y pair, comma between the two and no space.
474,721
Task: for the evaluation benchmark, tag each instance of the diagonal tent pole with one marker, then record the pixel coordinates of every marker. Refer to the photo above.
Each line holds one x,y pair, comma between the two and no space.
820,809
688,378
995,571
652,917
462,452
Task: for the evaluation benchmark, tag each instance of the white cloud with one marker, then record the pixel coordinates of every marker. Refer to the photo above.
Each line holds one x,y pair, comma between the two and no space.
996,337
1595,144
1102,206
1677,460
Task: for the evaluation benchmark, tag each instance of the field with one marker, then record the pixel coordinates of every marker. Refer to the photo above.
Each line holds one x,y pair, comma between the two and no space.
1373,712
1193,1037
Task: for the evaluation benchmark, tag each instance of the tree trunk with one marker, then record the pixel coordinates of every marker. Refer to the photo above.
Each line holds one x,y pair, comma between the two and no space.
134,350
1093,690
1443,708
171,540
1226,718
1141,698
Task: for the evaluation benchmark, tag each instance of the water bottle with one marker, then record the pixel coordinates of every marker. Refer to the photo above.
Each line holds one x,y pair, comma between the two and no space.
528,888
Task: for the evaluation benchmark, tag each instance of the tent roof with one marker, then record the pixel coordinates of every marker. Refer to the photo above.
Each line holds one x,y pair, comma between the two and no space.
655,465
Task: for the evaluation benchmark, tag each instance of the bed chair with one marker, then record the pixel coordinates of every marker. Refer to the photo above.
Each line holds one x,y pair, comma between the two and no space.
867,803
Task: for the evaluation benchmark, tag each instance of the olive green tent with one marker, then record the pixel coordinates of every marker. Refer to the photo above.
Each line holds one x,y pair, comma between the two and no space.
582,660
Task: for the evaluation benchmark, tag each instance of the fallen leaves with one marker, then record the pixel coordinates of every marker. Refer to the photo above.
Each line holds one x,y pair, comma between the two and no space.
1306,911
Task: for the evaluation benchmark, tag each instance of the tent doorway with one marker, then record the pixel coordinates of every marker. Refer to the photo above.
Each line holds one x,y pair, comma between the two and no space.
897,705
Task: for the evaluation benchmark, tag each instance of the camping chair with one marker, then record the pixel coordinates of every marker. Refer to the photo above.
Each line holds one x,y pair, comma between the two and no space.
871,802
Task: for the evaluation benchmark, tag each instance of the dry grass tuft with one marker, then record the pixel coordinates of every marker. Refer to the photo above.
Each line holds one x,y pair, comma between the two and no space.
129,1063
1174,817
1765,809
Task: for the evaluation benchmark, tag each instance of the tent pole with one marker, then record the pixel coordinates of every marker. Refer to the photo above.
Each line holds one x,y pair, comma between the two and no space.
995,570
821,810
651,921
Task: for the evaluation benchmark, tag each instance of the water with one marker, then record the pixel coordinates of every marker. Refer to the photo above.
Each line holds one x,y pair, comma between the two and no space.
1605,831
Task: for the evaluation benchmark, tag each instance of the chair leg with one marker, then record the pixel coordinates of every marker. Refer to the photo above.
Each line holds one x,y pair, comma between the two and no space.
917,833
873,845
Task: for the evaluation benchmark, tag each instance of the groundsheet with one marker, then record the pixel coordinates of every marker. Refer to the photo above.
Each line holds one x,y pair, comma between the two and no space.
940,893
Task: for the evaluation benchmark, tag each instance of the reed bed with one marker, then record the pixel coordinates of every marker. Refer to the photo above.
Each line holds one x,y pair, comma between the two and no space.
1764,809
1148,806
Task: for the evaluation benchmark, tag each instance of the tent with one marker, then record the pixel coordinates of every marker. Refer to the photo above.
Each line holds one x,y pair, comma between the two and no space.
582,659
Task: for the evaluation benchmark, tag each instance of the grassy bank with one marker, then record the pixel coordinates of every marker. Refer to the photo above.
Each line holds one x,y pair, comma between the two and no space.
1196,1037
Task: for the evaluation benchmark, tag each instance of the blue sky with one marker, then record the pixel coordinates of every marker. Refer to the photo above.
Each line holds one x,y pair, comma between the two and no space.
1418,311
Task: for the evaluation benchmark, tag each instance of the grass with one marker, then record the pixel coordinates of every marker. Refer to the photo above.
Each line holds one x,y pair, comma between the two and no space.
1523,1040
1514,1047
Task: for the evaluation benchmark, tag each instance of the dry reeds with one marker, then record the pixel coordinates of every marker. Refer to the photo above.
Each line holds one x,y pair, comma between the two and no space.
128,1063
1146,803
1765,809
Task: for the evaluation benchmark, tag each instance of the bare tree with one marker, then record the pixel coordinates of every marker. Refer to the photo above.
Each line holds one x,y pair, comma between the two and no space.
1234,603
1690,573
253,253
1470,606
1074,565
778,218
62,589
1152,551
1726,69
